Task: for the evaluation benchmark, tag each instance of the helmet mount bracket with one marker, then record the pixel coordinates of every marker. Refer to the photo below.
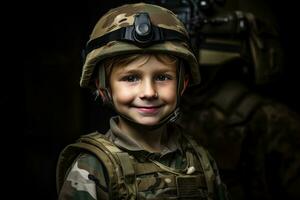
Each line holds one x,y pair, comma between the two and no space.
142,34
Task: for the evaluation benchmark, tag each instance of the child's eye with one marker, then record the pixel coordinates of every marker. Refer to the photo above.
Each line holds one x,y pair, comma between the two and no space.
163,77
130,78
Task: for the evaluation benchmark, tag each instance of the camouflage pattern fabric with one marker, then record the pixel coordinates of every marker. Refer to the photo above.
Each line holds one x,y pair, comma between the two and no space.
123,16
83,179
255,141
87,178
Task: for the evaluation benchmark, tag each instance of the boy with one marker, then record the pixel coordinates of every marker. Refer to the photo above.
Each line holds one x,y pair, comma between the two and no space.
140,60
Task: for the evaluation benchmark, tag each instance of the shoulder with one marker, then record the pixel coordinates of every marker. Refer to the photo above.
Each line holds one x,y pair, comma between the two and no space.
84,178
274,108
90,164
276,117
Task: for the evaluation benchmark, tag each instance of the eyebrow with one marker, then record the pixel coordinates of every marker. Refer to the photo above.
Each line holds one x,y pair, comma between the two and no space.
130,71
163,70
140,72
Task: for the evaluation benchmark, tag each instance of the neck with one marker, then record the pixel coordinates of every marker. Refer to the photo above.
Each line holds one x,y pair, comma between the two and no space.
149,140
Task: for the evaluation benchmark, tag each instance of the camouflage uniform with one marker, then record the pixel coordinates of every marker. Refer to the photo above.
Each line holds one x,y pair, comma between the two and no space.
115,167
87,178
255,141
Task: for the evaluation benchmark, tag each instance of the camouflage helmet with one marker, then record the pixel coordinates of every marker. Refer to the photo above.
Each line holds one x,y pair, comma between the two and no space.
117,33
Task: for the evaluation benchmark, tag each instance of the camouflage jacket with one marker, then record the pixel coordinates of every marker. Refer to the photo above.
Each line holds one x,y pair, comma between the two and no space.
176,171
254,140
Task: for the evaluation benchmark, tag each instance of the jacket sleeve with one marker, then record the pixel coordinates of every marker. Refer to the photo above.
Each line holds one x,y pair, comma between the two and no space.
85,180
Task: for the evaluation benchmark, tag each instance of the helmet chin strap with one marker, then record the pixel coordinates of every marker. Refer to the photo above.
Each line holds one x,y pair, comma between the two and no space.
170,118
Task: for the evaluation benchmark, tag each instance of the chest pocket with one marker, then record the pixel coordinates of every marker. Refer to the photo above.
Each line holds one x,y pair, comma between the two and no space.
156,181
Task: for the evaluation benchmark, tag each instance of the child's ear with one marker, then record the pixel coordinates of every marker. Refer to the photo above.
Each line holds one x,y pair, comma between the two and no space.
185,84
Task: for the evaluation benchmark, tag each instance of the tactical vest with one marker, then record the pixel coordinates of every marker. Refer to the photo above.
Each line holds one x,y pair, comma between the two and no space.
132,179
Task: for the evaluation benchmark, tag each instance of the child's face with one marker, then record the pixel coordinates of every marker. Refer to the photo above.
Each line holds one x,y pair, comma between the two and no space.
144,91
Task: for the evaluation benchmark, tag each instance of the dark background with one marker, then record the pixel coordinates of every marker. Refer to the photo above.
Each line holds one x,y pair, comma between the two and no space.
45,101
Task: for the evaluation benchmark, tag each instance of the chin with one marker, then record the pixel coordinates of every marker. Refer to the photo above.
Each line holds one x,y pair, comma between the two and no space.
148,121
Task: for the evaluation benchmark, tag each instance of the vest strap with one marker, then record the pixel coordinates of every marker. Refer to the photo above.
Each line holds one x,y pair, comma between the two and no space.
146,168
123,165
127,167
207,168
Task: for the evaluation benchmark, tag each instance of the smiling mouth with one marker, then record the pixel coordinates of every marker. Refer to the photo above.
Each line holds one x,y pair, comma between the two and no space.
148,110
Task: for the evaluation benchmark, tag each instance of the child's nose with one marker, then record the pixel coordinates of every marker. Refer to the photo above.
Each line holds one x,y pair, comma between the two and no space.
148,90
